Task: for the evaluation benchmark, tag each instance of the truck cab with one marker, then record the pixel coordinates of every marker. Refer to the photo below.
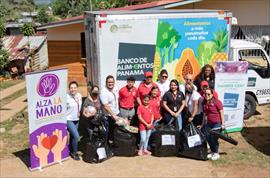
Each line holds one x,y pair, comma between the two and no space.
258,87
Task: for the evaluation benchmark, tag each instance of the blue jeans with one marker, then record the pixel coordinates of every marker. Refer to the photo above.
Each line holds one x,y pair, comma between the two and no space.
74,135
145,135
212,140
168,117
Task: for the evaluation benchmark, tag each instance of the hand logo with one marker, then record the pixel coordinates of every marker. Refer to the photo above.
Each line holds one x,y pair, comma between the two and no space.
55,143
41,151
48,86
59,146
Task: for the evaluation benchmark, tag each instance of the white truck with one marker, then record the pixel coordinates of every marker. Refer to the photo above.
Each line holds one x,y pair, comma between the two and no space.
258,88
124,43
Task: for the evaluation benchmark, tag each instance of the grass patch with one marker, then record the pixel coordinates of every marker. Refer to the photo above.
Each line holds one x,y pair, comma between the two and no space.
10,98
243,156
8,83
10,142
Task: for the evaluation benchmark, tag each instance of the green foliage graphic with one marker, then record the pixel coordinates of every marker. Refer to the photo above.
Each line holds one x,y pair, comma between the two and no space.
205,51
167,42
220,40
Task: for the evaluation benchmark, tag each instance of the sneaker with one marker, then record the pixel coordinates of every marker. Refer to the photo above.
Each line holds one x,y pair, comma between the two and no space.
140,152
147,152
215,156
209,156
75,156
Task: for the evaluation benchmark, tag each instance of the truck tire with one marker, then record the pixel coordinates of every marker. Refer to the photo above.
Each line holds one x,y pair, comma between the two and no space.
250,106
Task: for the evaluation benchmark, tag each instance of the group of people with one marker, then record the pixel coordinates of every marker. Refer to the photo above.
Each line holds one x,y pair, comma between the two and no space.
165,102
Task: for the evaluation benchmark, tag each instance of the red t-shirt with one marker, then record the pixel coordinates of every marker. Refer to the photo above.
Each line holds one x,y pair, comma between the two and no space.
154,103
212,111
143,89
127,97
215,94
146,114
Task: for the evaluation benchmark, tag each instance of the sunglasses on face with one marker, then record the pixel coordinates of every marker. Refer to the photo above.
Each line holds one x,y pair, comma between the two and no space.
164,76
187,79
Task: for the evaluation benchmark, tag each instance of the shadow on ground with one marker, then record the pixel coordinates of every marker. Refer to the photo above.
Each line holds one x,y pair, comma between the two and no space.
24,156
258,137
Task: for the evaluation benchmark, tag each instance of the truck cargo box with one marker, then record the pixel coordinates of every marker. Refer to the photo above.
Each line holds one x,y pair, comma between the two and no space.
125,43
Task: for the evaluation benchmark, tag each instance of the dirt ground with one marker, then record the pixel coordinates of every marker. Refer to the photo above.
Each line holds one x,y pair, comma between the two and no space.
250,158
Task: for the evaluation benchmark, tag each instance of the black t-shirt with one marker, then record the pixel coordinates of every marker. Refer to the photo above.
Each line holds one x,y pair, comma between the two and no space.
173,102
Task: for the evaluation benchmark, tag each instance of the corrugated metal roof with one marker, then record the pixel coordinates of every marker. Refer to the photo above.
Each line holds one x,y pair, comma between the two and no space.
17,45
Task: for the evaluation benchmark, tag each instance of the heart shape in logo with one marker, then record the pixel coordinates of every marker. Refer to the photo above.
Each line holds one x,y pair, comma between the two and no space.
49,142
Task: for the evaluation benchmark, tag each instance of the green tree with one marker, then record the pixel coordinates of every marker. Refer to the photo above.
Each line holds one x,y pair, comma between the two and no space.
28,30
3,52
42,16
167,42
66,8
60,8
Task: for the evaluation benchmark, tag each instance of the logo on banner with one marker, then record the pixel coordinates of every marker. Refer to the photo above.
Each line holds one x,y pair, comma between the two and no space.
134,60
230,100
48,85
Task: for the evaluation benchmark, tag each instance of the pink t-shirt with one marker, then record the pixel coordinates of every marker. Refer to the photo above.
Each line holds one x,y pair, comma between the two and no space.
146,114
212,111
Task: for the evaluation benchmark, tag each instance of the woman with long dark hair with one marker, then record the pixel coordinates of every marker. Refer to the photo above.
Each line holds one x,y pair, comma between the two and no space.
173,103
214,119
207,74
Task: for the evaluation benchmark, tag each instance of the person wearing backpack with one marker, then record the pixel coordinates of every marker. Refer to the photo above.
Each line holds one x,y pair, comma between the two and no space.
213,120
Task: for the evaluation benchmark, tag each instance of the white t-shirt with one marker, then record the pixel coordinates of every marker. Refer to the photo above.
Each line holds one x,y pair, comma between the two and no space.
195,96
163,87
74,105
182,88
110,98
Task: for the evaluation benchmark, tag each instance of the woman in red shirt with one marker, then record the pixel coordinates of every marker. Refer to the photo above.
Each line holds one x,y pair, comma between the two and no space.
213,111
154,103
146,117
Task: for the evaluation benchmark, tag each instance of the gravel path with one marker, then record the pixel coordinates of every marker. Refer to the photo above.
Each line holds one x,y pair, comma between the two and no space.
9,91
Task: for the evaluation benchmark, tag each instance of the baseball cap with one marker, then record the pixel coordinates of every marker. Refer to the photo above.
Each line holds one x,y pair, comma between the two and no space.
148,74
204,84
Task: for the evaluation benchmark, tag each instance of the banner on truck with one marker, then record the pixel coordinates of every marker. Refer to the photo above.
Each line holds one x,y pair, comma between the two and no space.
180,45
184,45
230,83
46,97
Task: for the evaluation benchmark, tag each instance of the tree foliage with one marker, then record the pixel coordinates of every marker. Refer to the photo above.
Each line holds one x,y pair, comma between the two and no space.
27,29
67,8
3,52
10,10
42,16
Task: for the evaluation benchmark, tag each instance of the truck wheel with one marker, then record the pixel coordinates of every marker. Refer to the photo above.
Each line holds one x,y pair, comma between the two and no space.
250,106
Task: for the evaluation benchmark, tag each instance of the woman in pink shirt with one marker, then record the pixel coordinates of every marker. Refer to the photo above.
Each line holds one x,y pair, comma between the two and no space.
213,111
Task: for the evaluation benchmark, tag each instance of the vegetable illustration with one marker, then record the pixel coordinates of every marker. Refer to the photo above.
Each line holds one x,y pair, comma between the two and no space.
157,66
205,51
167,41
220,40
187,64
